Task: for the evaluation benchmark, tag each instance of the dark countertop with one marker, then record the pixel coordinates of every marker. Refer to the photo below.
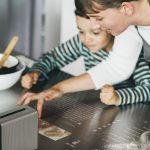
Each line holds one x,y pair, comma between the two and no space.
93,125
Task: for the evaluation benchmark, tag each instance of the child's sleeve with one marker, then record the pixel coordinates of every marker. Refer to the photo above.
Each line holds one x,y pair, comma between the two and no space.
58,57
134,95
141,77
121,61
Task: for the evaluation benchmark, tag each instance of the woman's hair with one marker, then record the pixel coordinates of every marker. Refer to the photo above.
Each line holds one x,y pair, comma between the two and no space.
110,3
88,6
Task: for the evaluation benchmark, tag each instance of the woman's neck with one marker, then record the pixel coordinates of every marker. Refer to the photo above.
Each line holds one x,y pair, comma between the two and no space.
109,46
142,13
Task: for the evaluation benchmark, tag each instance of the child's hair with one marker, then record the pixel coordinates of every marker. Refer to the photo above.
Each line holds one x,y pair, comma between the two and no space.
81,14
80,7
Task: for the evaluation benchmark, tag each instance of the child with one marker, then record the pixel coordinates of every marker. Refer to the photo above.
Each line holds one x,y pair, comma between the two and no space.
93,45
98,45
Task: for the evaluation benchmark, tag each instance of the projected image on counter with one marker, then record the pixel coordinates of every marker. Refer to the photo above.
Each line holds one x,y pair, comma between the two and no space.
51,131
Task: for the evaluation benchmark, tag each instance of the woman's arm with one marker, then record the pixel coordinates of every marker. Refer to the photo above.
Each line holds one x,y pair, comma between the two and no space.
74,84
121,61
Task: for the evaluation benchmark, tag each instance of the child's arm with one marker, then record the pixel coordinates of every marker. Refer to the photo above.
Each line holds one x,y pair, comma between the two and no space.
141,77
139,93
79,83
110,96
135,95
29,79
58,57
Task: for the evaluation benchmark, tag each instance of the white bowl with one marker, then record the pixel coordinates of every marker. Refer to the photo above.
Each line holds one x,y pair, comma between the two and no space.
9,79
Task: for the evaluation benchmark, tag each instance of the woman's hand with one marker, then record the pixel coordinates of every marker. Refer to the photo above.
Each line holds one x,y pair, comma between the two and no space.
46,95
109,96
29,79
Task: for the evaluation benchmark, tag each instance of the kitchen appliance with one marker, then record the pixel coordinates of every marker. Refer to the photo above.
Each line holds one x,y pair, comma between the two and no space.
19,129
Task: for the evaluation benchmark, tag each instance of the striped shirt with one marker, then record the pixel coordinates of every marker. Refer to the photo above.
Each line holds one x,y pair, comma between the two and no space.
136,89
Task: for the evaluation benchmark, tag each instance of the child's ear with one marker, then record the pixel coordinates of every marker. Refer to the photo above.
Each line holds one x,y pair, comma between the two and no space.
127,8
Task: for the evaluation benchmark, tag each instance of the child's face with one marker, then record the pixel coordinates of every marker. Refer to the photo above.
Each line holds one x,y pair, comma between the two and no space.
93,39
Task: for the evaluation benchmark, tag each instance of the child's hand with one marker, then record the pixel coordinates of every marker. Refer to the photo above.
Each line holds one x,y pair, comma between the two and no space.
47,95
29,79
109,96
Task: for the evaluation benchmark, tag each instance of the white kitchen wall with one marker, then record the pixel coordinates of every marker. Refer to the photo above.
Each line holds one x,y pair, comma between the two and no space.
52,23
21,18
69,29
60,25
68,22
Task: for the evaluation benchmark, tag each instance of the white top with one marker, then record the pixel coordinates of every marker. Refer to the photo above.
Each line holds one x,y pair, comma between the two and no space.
122,60
145,33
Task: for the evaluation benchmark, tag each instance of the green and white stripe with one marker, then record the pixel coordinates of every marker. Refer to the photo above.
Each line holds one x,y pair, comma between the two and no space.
134,90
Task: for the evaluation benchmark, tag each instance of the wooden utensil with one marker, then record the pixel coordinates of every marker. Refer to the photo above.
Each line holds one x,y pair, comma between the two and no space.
8,50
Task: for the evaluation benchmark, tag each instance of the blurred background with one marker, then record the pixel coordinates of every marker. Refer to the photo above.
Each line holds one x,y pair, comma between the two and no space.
40,24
